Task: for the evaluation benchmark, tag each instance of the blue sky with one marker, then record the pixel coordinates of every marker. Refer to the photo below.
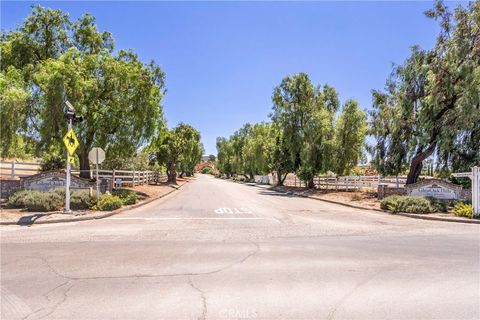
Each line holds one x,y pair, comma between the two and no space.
223,59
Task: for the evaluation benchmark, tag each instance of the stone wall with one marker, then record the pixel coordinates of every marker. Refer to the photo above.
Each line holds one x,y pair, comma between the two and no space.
8,187
46,181
385,191
466,194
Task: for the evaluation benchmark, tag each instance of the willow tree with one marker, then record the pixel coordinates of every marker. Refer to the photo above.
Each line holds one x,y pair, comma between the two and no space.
432,102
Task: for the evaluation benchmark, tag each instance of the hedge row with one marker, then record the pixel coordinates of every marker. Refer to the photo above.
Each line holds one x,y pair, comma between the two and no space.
54,200
415,204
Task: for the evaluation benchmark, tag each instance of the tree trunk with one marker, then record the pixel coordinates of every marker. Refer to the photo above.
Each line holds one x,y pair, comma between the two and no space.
84,165
416,164
279,178
172,173
310,183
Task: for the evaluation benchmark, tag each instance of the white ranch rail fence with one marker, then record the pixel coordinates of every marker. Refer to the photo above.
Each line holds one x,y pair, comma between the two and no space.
128,177
348,183
15,170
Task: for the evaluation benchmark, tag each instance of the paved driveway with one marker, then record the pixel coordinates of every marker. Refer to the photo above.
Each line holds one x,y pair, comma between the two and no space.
220,250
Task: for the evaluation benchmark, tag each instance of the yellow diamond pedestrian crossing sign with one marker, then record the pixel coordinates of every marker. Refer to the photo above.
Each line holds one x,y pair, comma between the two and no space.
71,141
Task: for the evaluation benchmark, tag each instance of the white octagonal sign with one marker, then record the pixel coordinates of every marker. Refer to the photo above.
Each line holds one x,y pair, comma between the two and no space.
96,155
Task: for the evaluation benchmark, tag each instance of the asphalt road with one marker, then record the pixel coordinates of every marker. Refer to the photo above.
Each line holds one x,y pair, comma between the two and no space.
220,250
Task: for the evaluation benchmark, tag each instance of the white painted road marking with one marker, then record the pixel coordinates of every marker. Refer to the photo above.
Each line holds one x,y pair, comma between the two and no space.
233,211
187,218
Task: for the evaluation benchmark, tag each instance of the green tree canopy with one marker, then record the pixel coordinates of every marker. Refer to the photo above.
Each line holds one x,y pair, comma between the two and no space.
431,105
118,95
178,148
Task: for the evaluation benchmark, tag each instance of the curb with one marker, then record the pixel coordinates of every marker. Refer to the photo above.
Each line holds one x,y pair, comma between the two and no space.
105,215
403,214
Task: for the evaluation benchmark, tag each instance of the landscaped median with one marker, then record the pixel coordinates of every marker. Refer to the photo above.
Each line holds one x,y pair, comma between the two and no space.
33,207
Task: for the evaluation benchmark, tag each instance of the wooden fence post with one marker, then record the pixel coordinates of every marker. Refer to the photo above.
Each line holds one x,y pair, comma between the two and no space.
113,178
13,170
133,180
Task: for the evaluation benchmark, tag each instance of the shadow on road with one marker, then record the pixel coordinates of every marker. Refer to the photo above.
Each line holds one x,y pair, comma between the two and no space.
29,220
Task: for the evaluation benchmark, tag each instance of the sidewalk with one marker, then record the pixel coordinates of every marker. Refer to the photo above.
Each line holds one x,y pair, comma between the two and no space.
147,194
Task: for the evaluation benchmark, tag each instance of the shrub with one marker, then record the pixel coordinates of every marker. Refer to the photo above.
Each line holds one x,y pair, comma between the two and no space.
17,200
108,202
463,210
206,170
390,203
408,204
414,204
439,205
81,200
60,191
43,201
127,196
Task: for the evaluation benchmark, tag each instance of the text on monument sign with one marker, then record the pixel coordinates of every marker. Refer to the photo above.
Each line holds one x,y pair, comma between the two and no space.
434,191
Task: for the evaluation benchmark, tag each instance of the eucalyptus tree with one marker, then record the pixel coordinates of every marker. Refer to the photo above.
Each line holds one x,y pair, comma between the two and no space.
431,105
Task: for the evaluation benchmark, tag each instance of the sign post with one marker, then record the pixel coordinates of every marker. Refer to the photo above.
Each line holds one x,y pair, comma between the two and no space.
71,142
475,177
97,156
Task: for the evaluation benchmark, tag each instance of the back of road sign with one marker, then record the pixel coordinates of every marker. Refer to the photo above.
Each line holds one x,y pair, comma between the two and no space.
96,155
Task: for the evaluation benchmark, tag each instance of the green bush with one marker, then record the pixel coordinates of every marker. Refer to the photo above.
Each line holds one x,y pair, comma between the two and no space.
408,204
414,204
44,201
108,202
60,191
127,196
463,210
81,200
390,203
17,200
206,170
439,205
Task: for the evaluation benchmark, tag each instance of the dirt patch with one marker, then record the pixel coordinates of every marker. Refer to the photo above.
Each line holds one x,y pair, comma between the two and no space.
367,200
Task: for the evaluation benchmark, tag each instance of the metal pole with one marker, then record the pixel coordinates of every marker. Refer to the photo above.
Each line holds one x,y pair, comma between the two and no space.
96,166
476,191
67,178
